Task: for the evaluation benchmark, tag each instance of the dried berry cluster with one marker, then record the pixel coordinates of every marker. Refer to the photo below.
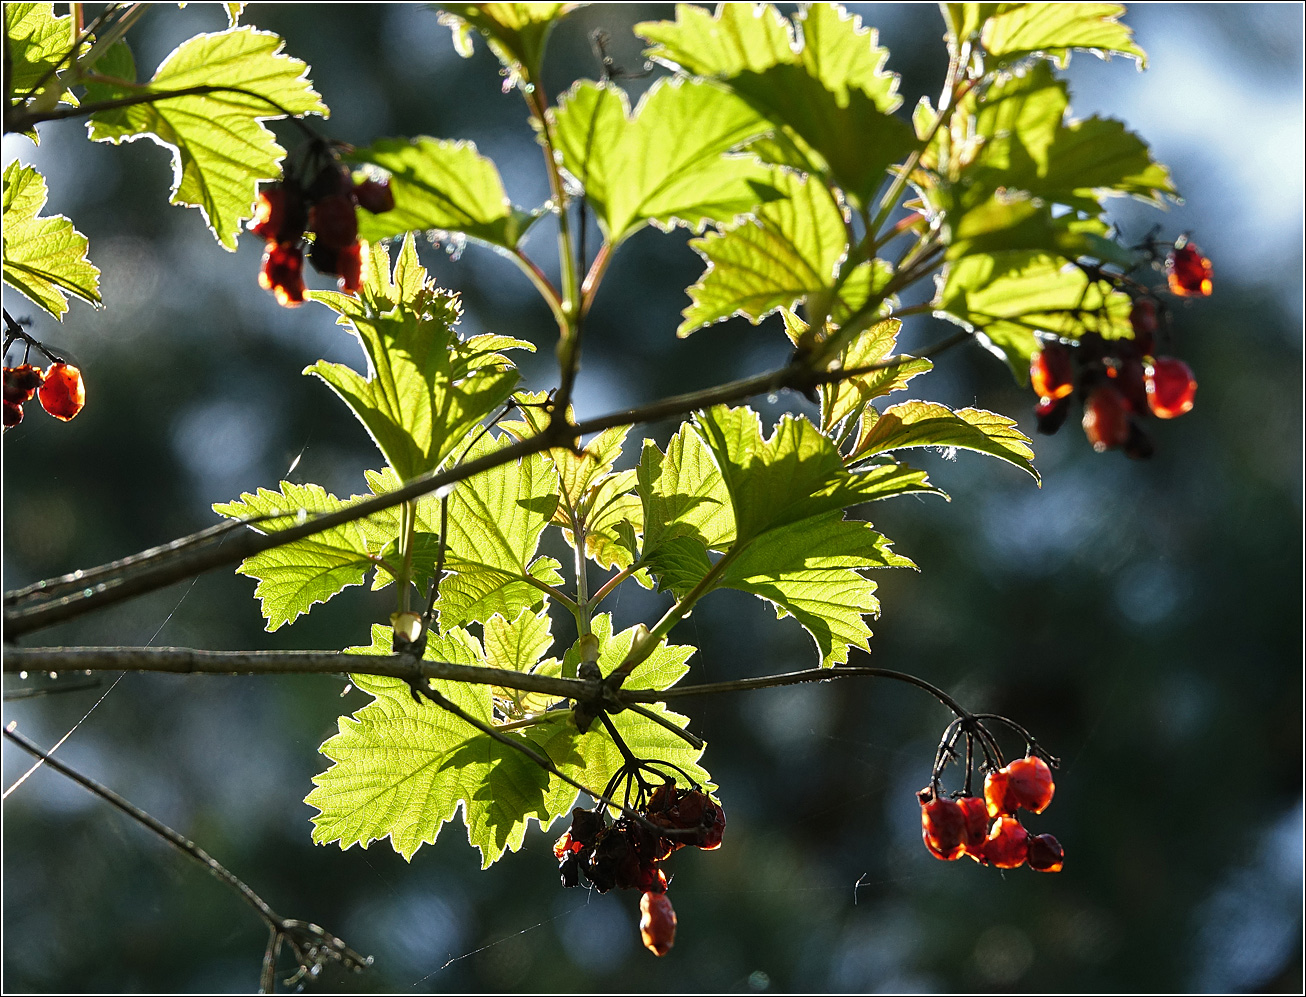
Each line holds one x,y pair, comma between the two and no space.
985,828
628,852
59,389
325,207
1120,382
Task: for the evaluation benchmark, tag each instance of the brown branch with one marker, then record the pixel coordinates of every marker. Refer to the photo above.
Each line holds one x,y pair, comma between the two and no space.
186,557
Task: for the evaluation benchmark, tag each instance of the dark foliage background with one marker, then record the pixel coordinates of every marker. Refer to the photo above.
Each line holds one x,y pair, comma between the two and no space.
1145,619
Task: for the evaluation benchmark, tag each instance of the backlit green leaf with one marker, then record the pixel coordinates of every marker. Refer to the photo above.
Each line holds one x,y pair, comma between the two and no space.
929,424
421,395
441,185
296,576
401,769
789,251
220,148
37,40
517,32
496,519
811,571
1016,30
1008,297
666,164
44,256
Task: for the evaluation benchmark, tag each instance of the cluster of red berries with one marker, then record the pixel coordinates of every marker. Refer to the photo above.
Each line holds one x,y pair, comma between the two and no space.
59,389
324,206
628,853
985,828
1121,382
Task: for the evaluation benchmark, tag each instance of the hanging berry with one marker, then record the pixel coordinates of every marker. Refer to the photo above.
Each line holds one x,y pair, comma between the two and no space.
1188,272
1171,387
316,197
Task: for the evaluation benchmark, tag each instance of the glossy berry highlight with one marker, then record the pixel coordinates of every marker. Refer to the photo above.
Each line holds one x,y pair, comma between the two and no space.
62,393
1188,272
1171,387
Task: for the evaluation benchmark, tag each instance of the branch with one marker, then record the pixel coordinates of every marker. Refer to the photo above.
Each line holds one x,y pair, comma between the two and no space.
185,661
313,946
402,666
188,556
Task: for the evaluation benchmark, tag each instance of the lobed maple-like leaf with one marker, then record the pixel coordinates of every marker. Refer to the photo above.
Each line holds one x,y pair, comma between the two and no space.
294,577
496,519
44,256
36,41
827,98
425,388
1007,297
1016,30
220,147
443,186
666,164
517,32
789,251
929,424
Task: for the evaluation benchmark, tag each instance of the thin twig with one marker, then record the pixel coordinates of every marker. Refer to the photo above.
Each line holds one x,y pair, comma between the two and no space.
313,946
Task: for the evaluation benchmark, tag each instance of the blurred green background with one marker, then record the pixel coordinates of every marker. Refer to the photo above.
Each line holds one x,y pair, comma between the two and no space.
1144,619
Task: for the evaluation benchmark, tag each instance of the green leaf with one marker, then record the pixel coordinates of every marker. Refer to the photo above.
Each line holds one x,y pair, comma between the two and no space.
829,100
683,494
516,32
847,399
496,519
595,757
928,424
1007,297
426,388
234,10
1027,146
401,769
220,148
1017,30
36,42
793,475
791,250
844,55
664,165
296,576
519,645
442,185
44,257
811,571
738,37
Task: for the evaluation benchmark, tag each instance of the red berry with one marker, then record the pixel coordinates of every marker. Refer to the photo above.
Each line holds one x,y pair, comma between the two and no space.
1045,853
1051,414
1130,378
943,826
349,265
1007,844
283,273
21,383
1188,272
63,394
1143,319
1106,419
995,793
1025,782
1029,784
333,220
657,923
374,196
976,813
13,414
1170,387
279,213
1051,373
